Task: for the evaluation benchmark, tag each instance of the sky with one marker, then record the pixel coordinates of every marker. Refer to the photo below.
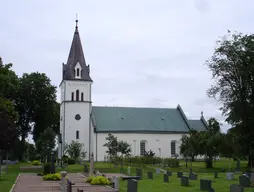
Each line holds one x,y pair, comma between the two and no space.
145,53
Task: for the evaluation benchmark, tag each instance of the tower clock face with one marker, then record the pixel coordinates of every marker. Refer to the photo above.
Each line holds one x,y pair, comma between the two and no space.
77,117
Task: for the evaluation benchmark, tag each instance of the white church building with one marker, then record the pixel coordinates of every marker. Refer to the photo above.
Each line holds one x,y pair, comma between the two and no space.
156,129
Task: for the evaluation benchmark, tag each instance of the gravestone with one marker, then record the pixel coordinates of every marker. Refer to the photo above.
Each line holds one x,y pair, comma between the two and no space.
184,181
244,181
252,177
139,172
165,178
193,176
129,171
238,165
229,176
169,173
236,188
86,170
132,185
150,175
158,170
205,184
211,190
116,182
215,175
179,174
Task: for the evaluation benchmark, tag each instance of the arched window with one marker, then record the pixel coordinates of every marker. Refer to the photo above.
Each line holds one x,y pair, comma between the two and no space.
82,96
77,95
142,147
77,134
72,96
173,148
78,72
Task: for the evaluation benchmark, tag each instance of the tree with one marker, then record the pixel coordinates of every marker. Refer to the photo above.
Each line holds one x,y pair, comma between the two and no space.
75,150
112,145
36,105
124,148
232,69
46,143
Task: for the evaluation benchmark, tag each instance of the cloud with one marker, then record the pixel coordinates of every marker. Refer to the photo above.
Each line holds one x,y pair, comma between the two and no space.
142,53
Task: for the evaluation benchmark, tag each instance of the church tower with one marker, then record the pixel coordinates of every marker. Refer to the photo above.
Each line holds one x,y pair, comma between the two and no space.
76,107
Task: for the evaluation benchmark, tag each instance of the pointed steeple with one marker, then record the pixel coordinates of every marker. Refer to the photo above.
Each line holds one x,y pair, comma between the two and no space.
76,58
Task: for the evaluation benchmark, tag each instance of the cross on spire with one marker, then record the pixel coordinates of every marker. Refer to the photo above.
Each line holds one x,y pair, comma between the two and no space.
76,20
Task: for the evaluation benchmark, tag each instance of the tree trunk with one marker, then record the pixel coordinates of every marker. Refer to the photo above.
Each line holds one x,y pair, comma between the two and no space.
22,151
209,162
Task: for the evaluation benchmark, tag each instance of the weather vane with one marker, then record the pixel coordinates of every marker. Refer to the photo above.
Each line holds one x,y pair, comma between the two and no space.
76,20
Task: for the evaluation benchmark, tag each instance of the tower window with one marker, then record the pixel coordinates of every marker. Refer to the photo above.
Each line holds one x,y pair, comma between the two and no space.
77,134
72,96
78,72
82,96
77,95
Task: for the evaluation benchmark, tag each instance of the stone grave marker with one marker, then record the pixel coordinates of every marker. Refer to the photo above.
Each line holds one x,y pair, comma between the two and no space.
236,188
132,185
252,177
238,168
165,178
169,173
158,170
150,175
215,175
229,176
179,174
129,171
205,184
244,181
139,172
184,181
116,183
211,190
193,176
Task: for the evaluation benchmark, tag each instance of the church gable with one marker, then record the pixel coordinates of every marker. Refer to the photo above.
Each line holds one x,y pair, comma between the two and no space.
131,120
198,125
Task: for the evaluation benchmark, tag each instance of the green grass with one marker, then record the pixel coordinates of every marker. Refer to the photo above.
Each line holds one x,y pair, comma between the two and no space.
144,185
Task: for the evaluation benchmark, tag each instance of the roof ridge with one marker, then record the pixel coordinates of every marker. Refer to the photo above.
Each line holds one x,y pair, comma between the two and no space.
134,107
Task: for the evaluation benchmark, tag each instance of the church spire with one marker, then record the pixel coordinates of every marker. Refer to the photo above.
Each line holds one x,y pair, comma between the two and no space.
76,58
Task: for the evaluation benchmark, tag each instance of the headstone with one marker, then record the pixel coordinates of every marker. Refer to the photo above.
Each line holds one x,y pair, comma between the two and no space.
244,181
132,185
193,176
179,174
169,173
129,171
116,183
165,178
139,172
252,177
69,186
184,181
211,190
229,176
150,175
236,188
238,165
205,184
215,175
86,168
158,170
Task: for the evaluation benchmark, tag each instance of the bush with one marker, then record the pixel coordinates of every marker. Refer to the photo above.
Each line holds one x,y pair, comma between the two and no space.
98,180
171,162
71,161
52,177
46,168
36,163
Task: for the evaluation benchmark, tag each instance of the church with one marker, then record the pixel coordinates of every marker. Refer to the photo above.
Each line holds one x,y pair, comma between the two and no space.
156,129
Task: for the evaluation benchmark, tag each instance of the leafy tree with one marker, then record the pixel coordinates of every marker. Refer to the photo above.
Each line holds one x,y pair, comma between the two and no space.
124,148
232,68
112,145
46,143
75,150
36,105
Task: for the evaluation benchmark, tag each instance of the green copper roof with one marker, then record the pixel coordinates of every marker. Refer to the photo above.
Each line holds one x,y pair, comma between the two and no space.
198,125
130,119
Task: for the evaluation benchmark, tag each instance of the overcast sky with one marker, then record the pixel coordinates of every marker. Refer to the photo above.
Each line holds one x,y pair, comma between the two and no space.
147,53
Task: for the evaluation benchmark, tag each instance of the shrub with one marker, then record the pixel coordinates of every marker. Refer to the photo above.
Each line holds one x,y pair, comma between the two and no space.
46,168
98,180
52,177
71,161
171,162
36,163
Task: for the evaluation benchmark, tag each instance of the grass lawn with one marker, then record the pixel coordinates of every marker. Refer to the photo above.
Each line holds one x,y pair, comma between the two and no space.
145,185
